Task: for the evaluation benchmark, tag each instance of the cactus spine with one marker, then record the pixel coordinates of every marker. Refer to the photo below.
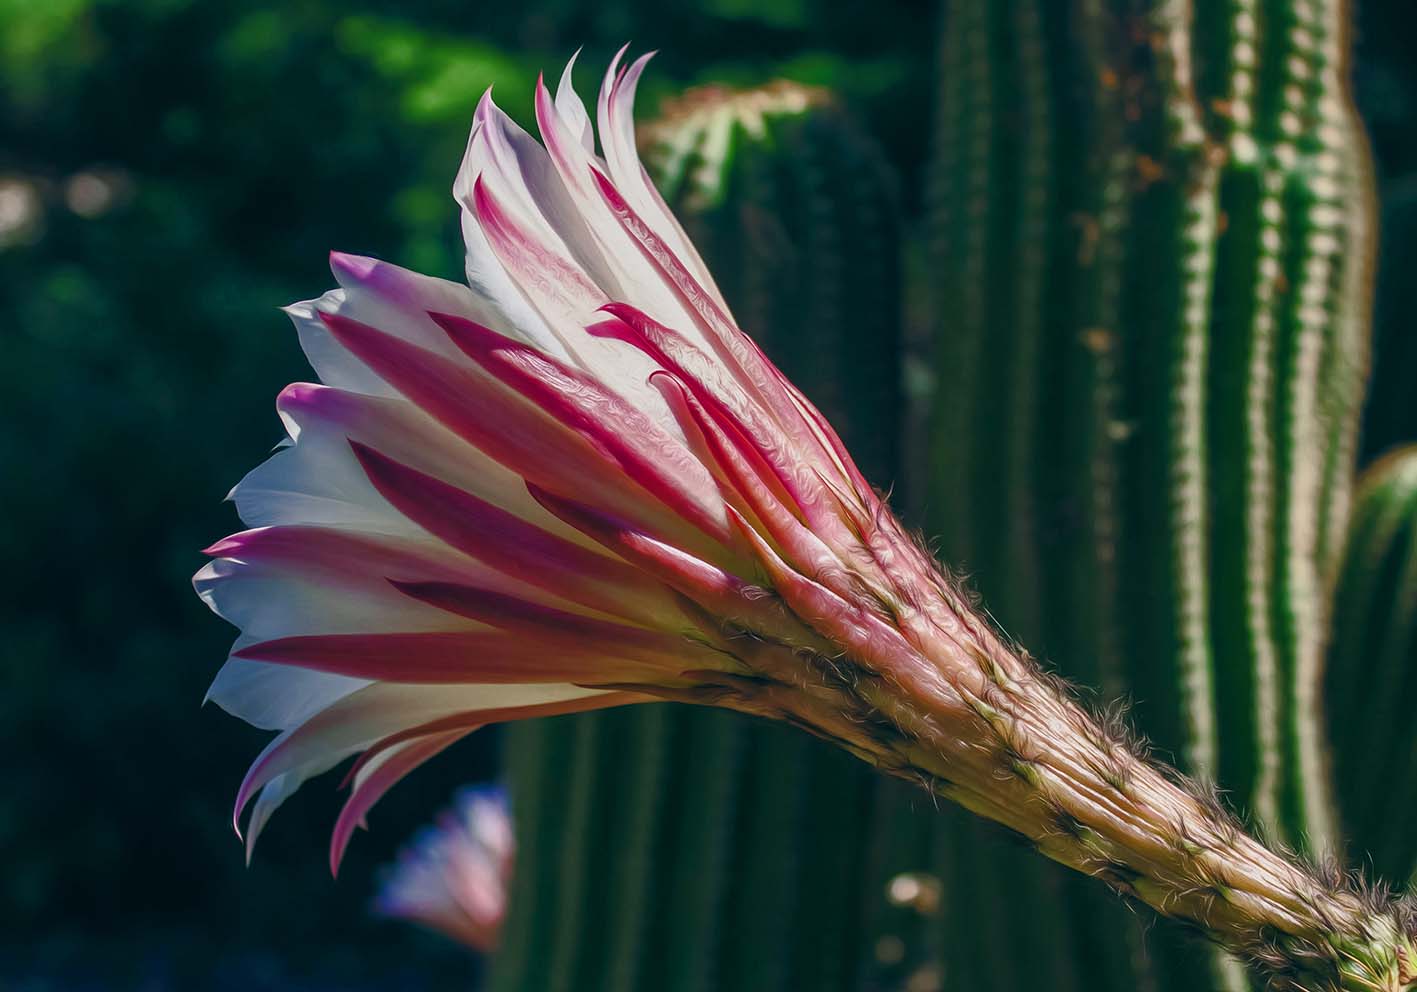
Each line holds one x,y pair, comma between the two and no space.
671,847
1151,226
1371,670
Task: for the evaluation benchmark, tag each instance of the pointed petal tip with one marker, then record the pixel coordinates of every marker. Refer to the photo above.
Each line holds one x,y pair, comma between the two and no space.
607,189
485,105
445,320
344,328
567,72
219,549
627,312
339,844
482,201
356,267
474,339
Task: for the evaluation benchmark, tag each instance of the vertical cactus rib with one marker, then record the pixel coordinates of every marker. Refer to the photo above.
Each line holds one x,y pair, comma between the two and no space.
1370,667
954,149
709,754
1360,610
1021,265
1175,246
1390,666
592,747
1313,202
823,941
1338,126
896,940
536,755
1085,595
1187,440
964,190
647,772
1241,461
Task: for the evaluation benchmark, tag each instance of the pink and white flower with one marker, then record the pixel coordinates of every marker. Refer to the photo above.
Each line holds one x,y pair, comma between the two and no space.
454,878
571,483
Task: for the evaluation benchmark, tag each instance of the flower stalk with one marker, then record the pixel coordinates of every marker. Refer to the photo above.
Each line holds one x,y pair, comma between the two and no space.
983,726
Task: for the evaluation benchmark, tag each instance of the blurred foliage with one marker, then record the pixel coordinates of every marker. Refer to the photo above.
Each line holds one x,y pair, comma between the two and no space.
170,173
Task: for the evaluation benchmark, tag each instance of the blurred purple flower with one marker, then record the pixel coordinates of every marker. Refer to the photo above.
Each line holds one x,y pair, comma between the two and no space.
454,877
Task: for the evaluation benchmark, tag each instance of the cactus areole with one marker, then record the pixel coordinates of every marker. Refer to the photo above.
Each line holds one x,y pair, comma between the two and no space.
574,482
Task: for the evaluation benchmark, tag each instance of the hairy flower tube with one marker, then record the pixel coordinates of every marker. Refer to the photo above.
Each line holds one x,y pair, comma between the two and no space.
454,877
575,483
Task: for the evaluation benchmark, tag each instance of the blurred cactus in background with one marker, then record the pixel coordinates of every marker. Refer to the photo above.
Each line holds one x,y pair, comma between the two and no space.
1151,246
1372,680
672,847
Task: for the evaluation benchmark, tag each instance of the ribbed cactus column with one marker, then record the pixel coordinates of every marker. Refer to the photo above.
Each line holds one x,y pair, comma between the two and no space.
1372,677
667,847
1150,229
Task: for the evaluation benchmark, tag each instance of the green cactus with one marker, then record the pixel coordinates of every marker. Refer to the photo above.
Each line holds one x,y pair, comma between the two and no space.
666,847
1151,243
1371,670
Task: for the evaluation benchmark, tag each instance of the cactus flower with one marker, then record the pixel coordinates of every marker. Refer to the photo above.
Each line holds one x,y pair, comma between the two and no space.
574,482
454,877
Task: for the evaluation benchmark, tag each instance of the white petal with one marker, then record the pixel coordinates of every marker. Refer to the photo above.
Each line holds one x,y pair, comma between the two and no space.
572,110
276,697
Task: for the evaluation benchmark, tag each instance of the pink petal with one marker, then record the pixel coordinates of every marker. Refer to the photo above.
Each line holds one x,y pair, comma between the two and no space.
865,635
726,396
365,717
759,489
719,592
555,284
570,631
570,109
493,418
378,779
615,109
642,451
446,658
734,347
466,721
511,544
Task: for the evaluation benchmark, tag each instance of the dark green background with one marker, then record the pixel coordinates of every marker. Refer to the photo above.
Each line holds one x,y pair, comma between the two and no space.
142,351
